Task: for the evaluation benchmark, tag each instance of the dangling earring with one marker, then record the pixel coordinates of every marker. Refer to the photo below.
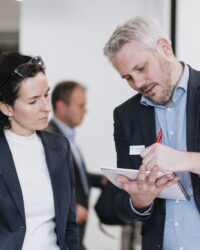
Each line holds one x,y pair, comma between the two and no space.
9,118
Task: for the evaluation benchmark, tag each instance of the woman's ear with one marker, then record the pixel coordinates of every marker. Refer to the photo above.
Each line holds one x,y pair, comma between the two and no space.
164,47
6,109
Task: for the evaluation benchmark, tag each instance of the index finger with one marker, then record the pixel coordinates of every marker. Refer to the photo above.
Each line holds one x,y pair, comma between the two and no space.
122,178
153,175
142,173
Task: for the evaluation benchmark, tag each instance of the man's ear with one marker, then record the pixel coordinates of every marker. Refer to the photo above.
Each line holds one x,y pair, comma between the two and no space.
164,47
6,109
60,105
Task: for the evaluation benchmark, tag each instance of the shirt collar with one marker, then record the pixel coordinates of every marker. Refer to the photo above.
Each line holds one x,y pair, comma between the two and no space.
182,85
66,130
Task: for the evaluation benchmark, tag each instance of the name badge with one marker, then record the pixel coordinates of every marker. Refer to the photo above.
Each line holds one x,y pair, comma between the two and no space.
136,150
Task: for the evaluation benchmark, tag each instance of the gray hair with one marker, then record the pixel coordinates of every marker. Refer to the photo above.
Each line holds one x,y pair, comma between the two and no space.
143,30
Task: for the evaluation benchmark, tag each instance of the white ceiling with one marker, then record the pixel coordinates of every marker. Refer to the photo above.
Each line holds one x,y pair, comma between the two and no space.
9,15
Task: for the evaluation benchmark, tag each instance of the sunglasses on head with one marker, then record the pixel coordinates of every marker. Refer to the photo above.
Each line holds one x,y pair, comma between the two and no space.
26,69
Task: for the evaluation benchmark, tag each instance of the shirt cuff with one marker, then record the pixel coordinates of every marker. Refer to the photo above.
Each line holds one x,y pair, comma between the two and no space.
145,213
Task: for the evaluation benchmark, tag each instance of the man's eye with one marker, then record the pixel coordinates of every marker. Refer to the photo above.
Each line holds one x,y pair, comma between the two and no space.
127,78
140,69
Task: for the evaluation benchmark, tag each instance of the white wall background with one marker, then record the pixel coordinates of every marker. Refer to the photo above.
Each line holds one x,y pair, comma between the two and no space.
70,36
188,32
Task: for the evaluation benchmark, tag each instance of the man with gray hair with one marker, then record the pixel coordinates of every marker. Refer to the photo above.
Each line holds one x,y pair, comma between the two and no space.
169,99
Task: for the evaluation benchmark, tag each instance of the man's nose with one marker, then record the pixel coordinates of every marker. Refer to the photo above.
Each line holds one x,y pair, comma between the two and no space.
139,81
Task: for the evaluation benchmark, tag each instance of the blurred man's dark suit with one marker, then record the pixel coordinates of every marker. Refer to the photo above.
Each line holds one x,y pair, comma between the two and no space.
94,180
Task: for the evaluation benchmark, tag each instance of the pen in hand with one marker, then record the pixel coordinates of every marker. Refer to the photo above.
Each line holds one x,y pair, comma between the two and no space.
159,137
158,140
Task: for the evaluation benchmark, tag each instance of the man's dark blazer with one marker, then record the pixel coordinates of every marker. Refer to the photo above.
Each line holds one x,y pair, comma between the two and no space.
134,124
12,216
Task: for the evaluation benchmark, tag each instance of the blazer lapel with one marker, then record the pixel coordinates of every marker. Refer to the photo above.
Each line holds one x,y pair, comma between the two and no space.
58,177
193,126
193,112
9,174
147,118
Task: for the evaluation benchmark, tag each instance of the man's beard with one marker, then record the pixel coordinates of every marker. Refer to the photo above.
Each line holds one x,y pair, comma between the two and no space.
168,87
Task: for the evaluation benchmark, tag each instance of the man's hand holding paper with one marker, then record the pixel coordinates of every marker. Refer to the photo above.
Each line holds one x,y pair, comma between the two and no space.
145,189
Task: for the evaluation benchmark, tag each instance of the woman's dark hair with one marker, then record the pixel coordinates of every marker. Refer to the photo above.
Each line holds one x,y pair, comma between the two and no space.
13,70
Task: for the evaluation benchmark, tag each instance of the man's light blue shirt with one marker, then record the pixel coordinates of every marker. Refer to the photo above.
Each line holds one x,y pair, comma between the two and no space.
182,222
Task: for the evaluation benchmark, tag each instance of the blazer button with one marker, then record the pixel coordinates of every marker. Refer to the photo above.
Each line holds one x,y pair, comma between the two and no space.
159,246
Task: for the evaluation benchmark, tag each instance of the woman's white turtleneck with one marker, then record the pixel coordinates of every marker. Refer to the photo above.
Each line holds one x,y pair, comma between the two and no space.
29,158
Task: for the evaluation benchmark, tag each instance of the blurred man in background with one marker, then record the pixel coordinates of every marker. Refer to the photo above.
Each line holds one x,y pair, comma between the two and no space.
69,106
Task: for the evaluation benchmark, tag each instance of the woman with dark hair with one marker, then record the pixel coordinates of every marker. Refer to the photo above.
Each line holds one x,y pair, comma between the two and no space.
37,210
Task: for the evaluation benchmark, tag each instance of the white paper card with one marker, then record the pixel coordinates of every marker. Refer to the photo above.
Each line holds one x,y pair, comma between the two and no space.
136,149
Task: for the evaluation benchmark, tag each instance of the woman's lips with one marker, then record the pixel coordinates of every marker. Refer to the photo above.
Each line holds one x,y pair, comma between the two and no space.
44,118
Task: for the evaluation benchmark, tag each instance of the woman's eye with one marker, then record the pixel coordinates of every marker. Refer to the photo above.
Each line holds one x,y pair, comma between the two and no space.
33,102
